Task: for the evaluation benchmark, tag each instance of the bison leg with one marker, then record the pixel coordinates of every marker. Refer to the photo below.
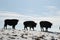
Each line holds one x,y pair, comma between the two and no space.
25,27
5,26
30,28
13,27
46,29
33,28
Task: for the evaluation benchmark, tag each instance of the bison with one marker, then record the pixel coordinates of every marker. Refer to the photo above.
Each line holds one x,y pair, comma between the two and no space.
45,24
10,22
30,24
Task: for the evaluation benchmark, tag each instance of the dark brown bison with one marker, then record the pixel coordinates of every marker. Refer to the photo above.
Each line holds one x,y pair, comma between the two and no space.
45,24
30,24
11,22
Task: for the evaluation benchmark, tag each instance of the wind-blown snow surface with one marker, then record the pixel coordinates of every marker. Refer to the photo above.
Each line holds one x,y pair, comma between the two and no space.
11,34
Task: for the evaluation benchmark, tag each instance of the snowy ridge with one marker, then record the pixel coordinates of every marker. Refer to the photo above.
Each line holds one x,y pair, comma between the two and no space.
11,34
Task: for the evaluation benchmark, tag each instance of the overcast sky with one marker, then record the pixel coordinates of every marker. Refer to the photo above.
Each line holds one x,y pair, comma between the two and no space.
36,10
32,7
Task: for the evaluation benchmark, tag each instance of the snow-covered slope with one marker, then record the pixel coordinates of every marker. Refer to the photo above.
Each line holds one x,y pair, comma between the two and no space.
27,35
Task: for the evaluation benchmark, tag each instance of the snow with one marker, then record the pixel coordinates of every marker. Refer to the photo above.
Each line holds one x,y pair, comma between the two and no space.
11,34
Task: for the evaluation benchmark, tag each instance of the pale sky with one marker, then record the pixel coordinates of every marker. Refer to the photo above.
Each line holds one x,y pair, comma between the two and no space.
36,10
32,7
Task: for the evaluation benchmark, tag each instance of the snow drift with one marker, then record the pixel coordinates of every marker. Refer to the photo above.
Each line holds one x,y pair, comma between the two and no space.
11,34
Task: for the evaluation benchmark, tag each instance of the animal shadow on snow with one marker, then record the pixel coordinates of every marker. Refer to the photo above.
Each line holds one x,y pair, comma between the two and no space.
52,32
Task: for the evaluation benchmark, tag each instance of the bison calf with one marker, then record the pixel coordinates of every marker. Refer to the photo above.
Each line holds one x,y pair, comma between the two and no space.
30,24
11,22
45,24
